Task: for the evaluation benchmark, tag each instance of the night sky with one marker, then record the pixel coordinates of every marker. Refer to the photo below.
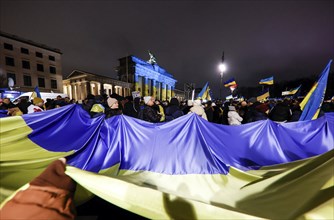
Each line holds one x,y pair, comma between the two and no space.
284,39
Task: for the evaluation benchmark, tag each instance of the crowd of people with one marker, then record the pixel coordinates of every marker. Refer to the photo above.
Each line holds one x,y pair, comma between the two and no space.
149,109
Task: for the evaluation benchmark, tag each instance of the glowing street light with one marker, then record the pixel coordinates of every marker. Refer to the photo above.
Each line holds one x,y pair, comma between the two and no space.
222,69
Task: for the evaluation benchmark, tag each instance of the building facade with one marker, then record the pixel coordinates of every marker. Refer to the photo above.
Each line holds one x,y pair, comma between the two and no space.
134,75
148,79
79,84
30,64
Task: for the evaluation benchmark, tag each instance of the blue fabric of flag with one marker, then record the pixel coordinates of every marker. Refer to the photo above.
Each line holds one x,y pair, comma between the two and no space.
186,145
313,100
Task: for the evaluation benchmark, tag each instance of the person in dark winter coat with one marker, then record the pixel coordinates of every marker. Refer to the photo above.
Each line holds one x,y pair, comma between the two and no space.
130,107
225,112
173,110
23,105
252,113
148,113
209,111
261,112
281,112
296,111
88,102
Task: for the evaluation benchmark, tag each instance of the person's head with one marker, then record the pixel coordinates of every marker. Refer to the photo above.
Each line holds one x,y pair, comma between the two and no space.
112,103
208,104
38,101
243,104
59,97
6,101
264,108
129,98
149,100
174,101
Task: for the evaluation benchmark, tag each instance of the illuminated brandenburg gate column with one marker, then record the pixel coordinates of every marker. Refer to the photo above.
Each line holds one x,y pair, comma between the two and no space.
145,89
172,92
163,91
136,82
154,88
168,92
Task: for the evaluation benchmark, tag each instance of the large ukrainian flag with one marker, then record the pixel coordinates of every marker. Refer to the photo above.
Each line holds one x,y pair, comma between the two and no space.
186,168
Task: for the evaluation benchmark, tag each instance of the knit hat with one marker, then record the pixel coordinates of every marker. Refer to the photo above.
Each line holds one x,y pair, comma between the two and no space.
54,175
147,99
231,108
111,101
37,100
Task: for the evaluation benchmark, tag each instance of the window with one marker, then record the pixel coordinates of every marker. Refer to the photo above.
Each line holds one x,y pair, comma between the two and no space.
38,54
8,46
40,67
52,58
24,50
10,61
11,75
27,80
53,84
52,69
25,64
41,82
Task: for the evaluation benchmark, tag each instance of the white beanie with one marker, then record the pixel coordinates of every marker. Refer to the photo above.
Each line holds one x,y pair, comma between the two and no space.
111,101
147,99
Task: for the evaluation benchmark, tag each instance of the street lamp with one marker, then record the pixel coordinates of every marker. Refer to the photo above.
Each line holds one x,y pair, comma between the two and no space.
222,69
